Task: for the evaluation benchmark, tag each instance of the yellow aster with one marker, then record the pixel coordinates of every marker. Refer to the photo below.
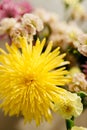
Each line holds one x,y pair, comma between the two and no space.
29,79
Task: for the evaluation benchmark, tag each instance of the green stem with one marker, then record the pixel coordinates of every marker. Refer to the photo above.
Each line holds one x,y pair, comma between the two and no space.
70,123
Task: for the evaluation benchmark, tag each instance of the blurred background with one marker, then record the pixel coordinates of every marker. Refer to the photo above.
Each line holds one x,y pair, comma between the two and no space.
15,123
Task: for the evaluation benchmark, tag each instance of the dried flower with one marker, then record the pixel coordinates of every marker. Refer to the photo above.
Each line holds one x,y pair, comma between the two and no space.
47,17
19,31
79,83
6,24
82,38
31,78
81,43
59,31
28,27
32,23
64,34
83,50
16,32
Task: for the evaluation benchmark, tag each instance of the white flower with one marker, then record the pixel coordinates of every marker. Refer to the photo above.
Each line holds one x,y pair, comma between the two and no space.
83,49
47,17
17,31
79,83
32,23
6,24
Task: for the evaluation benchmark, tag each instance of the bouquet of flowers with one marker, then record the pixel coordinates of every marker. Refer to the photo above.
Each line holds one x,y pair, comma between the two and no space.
44,65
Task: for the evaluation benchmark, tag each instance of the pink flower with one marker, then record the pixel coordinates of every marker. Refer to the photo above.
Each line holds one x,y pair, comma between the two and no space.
9,8
25,7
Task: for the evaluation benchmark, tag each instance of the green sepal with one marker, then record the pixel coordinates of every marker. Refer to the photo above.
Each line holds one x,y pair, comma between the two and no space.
69,123
83,97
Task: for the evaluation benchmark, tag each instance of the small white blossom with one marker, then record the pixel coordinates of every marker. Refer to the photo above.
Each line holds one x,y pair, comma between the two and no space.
78,83
6,24
32,23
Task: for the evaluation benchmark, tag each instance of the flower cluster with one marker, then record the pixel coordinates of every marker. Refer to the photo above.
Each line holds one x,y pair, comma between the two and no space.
44,68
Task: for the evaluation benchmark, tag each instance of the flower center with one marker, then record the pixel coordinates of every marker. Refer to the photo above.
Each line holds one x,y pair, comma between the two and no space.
29,80
68,108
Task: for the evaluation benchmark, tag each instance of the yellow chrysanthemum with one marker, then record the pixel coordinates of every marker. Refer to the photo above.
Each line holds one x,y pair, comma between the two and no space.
28,80
78,128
